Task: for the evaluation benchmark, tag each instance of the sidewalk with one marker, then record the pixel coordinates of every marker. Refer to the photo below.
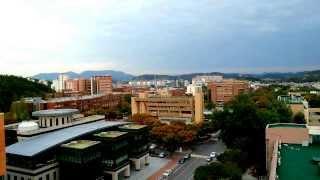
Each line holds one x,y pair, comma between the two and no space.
171,164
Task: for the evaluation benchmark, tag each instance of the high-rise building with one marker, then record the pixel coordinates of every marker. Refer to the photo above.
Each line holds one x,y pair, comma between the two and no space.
204,80
2,148
60,83
224,91
188,109
103,84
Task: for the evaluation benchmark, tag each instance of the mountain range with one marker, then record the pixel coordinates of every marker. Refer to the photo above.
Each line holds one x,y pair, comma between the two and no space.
122,76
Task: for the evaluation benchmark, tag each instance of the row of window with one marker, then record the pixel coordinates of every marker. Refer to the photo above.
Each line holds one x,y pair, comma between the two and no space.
47,177
43,123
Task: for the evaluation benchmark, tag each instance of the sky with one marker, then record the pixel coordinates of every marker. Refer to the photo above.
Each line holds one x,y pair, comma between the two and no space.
159,36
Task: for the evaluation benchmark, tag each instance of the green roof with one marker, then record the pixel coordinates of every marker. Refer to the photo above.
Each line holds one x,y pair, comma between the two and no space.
111,134
296,162
132,126
288,125
80,144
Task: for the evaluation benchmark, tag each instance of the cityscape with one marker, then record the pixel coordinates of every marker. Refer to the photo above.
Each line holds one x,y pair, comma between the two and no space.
160,90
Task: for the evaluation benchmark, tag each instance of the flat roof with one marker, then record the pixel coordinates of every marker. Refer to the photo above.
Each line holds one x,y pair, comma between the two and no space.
111,134
80,144
286,125
63,99
43,142
132,126
296,162
55,112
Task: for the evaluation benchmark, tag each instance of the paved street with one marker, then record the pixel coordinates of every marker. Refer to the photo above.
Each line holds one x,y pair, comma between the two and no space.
186,170
147,171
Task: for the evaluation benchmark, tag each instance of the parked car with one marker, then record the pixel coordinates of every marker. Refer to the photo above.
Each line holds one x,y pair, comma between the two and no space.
167,173
163,154
182,161
187,156
213,154
209,159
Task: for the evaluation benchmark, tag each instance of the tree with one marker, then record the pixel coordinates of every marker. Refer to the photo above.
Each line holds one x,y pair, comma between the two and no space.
145,119
299,118
218,170
19,111
243,123
175,134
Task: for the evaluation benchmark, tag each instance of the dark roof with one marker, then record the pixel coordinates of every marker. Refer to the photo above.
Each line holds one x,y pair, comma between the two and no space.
41,143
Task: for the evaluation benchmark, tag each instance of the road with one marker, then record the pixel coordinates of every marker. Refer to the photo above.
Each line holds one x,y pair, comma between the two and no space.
185,171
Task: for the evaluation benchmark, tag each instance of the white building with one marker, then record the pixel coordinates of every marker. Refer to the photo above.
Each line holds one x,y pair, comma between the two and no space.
193,88
204,80
60,83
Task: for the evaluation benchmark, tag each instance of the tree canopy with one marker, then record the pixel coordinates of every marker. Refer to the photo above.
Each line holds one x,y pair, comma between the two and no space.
13,88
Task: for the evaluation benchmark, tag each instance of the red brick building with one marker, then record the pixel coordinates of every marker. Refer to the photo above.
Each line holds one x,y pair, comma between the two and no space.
224,91
85,103
103,84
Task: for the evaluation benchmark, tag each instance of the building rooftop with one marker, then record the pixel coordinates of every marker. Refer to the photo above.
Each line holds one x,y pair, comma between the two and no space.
80,144
43,142
111,134
133,126
286,125
296,162
55,112
63,99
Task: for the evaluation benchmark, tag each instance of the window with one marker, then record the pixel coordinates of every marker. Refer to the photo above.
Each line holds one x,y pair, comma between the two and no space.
48,177
40,178
57,122
55,175
50,122
62,120
8,177
22,178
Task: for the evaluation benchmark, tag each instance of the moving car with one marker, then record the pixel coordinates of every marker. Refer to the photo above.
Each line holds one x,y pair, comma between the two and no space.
167,173
163,154
209,159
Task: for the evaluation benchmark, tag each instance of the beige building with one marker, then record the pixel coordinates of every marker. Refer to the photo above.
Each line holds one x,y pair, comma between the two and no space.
188,109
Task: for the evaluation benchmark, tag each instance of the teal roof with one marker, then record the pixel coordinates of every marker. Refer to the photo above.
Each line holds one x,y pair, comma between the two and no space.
296,162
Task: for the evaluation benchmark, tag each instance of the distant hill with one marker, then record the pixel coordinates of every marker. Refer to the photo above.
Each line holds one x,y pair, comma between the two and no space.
116,75
304,76
13,88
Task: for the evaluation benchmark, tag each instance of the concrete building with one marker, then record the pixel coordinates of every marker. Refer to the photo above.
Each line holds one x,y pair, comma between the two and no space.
188,109
59,84
205,80
295,102
85,104
223,91
292,151
2,148
193,88
96,150
103,84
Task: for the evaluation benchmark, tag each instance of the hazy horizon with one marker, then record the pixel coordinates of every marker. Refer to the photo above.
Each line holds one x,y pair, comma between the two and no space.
160,36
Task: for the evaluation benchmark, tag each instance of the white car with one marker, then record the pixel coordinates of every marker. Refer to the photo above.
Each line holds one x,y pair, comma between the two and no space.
213,154
167,173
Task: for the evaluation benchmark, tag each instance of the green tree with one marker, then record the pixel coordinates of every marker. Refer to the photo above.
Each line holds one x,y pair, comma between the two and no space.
217,170
19,111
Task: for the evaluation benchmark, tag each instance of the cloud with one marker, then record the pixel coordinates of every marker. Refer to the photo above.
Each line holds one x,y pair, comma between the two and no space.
158,36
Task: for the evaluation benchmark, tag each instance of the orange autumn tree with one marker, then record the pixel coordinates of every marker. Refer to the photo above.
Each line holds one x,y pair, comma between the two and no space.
144,119
175,134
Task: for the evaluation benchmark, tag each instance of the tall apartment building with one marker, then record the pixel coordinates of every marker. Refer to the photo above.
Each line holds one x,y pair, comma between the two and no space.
103,84
2,148
188,109
224,91
59,83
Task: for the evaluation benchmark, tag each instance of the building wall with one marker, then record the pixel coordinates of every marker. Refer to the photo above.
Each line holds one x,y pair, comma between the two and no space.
285,135
107,101
104,84
296,108
184,108
2,147
224,91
